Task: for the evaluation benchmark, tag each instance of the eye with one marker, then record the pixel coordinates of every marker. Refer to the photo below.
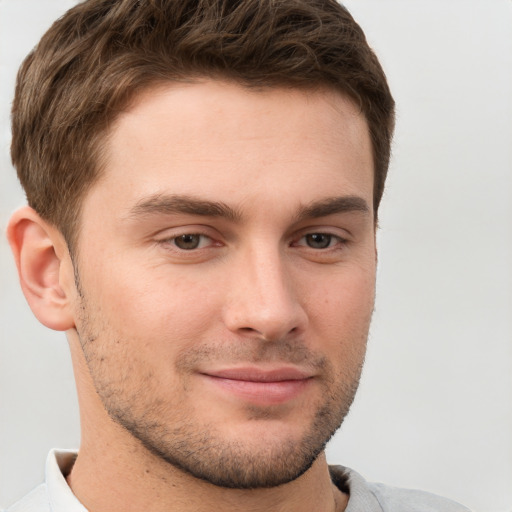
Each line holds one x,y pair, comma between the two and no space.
191,241
319,240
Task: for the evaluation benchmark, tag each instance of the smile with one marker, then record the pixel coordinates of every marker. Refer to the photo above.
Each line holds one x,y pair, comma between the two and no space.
261,387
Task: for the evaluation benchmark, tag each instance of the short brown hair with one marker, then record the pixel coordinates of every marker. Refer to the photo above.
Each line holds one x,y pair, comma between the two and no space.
95,58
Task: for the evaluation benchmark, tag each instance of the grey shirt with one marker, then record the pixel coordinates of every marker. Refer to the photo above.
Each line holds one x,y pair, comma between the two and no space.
371,497
55,495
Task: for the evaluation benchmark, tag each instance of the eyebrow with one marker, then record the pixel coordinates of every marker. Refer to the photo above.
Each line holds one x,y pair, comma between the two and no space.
332,206
164,204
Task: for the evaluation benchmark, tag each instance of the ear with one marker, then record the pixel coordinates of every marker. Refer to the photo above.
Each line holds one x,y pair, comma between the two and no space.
44,267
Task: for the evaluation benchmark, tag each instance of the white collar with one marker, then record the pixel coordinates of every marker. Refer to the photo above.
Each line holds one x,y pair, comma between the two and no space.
60,495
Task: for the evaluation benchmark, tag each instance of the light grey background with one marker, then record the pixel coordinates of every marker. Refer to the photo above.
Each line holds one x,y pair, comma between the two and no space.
435,405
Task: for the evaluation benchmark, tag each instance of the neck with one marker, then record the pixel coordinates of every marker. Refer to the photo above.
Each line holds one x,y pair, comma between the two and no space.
113,481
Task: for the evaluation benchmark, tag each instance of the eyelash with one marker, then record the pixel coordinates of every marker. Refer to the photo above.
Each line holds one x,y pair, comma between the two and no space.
338,241
325,238
202,237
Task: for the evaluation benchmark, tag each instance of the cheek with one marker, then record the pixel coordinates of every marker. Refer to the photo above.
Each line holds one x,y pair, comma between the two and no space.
155,308
340,312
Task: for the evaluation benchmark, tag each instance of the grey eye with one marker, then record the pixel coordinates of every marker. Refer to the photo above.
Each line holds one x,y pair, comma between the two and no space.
318,240
188,242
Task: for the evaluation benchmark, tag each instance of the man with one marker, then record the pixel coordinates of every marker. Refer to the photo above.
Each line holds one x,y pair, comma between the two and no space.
204,179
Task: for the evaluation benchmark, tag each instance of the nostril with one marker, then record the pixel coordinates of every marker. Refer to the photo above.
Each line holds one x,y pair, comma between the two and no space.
247,329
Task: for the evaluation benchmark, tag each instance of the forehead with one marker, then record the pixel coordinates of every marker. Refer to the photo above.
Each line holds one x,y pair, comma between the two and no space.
218,138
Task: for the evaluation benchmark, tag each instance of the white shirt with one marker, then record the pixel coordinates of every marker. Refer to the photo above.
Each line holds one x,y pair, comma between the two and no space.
55,494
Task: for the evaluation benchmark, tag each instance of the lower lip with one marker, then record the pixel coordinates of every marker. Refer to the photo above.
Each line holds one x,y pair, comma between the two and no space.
262,393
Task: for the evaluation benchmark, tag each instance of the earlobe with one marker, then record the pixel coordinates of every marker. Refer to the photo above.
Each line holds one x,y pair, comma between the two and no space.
42,260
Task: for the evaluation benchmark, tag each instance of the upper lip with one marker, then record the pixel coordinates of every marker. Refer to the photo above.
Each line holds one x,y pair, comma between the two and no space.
255,374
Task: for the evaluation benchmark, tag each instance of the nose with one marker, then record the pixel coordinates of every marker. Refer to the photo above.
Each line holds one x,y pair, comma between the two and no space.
263,299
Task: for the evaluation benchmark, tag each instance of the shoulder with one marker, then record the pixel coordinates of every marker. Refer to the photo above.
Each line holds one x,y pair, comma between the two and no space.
408,500
35,501
376,497
54,495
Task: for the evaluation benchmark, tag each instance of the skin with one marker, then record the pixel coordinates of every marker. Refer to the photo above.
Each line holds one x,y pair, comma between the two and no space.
215,366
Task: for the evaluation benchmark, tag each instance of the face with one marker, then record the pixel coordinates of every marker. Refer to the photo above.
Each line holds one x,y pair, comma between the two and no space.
225,270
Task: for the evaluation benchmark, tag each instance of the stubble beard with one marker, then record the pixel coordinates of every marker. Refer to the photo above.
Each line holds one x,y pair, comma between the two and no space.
205,453
202,450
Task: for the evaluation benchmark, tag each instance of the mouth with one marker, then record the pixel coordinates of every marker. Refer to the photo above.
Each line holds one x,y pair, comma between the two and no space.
260,386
